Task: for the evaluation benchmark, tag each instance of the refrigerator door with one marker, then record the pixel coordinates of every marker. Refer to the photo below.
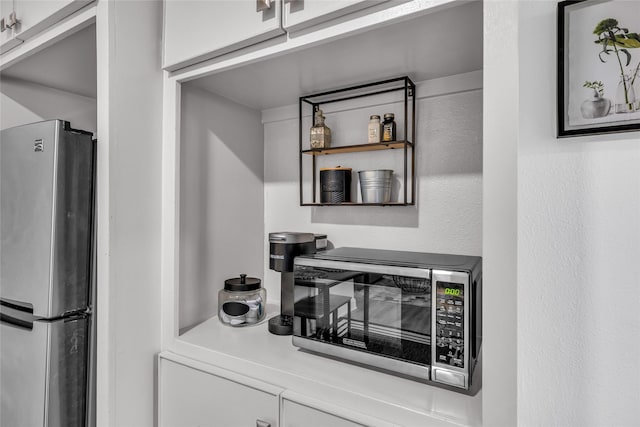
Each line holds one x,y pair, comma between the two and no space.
46,185
43,370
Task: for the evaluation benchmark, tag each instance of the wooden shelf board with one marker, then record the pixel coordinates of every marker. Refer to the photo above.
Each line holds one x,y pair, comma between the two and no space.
359,148
358,204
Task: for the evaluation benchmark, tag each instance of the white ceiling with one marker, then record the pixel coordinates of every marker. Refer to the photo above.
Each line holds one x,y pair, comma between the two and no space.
69,65
436,45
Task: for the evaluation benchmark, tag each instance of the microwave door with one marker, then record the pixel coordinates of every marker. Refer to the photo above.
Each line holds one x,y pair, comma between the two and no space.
43,370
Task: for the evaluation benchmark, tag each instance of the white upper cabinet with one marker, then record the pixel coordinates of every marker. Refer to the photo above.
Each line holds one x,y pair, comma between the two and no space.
300,14
31,17
196,30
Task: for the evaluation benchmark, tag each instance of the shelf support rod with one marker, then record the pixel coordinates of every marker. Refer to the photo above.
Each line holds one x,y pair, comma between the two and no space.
406,87
300,150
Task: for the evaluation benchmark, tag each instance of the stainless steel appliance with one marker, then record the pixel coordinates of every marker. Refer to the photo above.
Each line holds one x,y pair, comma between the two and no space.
414,314
46,210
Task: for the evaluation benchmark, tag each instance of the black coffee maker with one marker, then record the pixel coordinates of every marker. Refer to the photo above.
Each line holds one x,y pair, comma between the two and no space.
283,248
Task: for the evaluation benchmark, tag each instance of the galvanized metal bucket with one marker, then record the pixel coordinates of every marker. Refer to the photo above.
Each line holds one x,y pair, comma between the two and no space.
375,185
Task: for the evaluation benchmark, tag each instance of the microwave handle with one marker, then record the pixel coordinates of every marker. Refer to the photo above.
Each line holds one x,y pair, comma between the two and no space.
475,311
365,268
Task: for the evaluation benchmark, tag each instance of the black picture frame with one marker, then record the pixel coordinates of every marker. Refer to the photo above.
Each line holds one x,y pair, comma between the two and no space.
566,89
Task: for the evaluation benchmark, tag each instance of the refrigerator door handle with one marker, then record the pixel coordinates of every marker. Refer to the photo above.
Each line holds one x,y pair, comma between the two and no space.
16,305
16,315
15,321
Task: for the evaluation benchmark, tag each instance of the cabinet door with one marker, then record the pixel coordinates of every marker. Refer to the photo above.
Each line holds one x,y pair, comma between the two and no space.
7,37
191,397
300,14
299,415
195,30
34,16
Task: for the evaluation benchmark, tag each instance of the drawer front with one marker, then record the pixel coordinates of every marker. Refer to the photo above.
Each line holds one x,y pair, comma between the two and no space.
192,397
298,415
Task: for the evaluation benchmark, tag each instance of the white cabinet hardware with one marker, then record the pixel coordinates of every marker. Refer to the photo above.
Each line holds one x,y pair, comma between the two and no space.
13,20
263,5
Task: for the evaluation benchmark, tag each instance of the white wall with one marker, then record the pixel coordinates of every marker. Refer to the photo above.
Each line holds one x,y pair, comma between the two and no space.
499,388
221,199
448,214
23,102
578,254
129,35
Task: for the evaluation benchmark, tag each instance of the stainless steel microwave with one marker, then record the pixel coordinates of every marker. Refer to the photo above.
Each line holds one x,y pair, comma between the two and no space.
413,314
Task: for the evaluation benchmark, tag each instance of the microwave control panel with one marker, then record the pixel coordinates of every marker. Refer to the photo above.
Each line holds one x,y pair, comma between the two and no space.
450,324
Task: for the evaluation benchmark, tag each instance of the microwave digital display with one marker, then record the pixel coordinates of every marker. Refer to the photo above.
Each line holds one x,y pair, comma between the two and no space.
450,324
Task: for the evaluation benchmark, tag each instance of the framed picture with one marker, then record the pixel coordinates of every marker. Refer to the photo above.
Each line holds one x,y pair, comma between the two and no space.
598,67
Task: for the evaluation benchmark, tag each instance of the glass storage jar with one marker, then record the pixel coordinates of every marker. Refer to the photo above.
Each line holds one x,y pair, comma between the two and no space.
242,302
389,128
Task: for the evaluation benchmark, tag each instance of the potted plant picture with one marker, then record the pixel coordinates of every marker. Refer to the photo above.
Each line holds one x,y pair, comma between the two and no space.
598,67
617,40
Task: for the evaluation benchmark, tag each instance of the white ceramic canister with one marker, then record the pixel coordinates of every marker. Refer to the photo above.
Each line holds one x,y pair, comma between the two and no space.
374,129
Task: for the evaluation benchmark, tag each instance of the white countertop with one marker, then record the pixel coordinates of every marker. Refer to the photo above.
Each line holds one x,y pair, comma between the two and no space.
256,353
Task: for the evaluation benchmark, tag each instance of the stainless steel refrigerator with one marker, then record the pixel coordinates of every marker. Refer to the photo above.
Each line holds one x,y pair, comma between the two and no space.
46,229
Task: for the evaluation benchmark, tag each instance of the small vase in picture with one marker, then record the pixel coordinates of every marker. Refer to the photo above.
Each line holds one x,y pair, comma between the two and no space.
625,96
597,106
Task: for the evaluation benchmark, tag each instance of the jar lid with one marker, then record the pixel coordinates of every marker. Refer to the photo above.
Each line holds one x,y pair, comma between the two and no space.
290,237
242,283
389,116
375,116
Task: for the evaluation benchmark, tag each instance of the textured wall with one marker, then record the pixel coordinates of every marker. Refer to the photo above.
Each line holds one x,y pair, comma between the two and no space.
578,255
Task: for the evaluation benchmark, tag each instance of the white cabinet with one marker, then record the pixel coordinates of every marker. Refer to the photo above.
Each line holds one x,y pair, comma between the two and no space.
7,37
194,393
298,415
212,397
32,17
304,13
196,30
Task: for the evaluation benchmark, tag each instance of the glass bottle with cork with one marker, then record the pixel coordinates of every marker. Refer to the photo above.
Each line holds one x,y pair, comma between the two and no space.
320,134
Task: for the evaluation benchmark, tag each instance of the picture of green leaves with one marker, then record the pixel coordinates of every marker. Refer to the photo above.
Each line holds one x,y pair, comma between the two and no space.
598,66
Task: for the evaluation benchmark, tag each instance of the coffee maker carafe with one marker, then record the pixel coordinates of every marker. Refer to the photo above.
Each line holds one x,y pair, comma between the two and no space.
283,248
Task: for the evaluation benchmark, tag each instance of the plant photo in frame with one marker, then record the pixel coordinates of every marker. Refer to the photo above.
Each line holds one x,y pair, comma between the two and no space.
598,67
